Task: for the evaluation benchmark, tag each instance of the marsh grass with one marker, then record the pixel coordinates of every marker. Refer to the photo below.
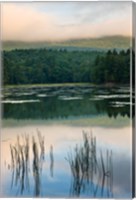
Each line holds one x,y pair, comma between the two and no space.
51,161
89,170
21,165
107,173
36,167
42,148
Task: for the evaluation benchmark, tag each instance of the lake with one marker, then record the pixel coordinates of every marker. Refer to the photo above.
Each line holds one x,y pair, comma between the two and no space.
66,141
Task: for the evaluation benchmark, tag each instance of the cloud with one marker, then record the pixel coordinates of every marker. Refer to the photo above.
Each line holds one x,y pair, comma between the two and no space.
30,22
95,11
23,23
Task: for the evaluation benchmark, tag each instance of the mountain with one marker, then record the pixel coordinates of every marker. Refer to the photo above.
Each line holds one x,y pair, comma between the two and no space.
107,42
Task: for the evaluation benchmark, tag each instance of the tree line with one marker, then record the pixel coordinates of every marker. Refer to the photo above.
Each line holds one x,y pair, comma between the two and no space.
35,66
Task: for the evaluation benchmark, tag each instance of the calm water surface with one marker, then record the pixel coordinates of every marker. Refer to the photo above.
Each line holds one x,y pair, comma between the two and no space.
78,140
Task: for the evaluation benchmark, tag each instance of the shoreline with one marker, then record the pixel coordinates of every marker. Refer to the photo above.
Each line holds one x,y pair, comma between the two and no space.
108,85
99,121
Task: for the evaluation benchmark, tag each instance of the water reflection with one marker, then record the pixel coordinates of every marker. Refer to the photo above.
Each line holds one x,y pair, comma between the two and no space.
42,148
62,102
51,161
36,169
55,182
107,174
21,163
90,171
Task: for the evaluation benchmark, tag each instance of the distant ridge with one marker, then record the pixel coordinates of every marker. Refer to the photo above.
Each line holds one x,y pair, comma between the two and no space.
106,42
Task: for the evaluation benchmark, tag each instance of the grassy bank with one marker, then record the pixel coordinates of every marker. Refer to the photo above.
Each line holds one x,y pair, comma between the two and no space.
65,85
99,121
48,85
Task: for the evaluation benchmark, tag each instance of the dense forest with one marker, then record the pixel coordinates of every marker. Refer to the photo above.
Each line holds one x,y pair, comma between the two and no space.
32,66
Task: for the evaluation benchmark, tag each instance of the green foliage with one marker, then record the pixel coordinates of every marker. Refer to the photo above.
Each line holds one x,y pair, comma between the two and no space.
47,66
35,66
114,67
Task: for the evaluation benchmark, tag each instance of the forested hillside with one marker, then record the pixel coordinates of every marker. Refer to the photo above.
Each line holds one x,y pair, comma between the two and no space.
107,42
61,66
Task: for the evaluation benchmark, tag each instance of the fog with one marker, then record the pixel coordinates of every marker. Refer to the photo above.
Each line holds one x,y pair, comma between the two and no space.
65,20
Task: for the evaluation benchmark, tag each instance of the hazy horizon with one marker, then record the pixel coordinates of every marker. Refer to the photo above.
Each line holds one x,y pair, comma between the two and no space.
67,40
61,21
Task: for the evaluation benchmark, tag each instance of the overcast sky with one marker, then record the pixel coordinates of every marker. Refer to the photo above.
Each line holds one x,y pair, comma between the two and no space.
64,20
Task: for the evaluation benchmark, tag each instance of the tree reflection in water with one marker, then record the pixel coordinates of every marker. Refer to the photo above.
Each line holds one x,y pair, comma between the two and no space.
90,172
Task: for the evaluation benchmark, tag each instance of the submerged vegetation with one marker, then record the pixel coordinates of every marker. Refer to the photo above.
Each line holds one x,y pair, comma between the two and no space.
39,66
90,170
